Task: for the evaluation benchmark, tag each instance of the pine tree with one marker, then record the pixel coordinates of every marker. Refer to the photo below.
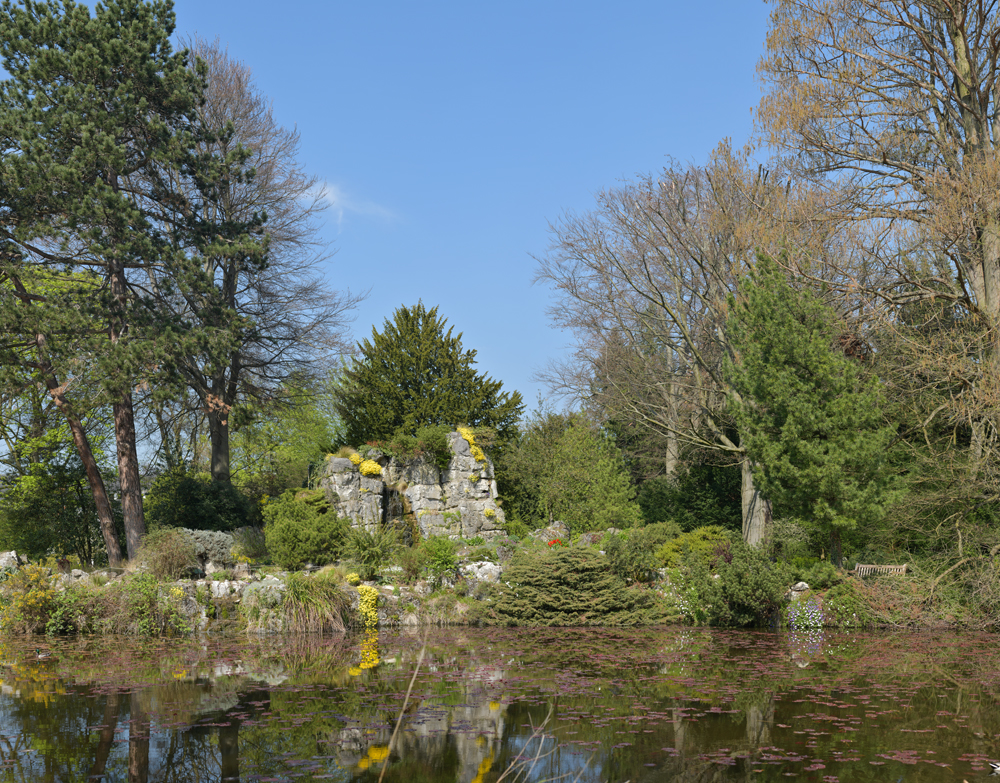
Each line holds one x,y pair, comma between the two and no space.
809,416
102,170
414,374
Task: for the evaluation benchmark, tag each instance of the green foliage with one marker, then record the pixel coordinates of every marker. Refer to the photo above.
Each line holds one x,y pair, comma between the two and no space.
150,615
51,510
168,553
752,588
632,552
845,606
441,556
249,544
821,575
278,448
742,587
300,528
703,544
563,467
808,416
414,374
697,495
181,498
372,550
430,441
26,600
567,587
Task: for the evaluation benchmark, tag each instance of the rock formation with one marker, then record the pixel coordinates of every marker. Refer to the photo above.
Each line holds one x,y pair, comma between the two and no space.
457,501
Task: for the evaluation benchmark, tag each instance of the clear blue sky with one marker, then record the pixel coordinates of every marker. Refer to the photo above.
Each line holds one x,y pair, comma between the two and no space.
452,133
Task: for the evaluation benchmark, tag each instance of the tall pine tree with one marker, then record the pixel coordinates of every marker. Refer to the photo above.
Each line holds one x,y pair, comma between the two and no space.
809,416
103,170
414,374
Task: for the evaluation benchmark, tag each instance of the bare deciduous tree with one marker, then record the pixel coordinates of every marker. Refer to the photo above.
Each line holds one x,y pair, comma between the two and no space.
644,282
291,319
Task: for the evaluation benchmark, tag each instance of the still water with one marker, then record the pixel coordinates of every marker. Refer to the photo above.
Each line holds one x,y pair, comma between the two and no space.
591,705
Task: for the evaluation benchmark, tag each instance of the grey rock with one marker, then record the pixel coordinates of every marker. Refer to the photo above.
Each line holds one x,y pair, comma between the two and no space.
9,560
459,501
484,571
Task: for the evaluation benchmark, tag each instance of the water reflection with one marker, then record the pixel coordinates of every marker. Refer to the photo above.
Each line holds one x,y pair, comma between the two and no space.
685,704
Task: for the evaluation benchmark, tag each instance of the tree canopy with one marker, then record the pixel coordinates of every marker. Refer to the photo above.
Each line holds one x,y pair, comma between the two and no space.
415,373
809,417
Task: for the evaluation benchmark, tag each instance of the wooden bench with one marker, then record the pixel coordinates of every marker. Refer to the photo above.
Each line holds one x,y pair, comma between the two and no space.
865,569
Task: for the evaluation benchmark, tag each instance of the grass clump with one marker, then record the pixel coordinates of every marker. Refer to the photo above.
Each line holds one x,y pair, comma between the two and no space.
315,604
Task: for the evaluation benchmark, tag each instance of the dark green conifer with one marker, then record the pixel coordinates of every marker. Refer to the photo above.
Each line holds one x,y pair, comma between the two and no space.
414,374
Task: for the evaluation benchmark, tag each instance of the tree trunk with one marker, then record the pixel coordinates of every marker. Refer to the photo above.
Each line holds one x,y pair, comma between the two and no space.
138,741
128,475
82,444
756,510
218,427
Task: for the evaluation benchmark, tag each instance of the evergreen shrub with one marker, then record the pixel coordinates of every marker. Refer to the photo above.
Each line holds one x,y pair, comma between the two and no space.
180,498
571,586
300,527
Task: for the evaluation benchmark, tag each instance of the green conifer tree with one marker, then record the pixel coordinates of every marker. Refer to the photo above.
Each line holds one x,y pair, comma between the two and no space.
809,416
414,374
102,168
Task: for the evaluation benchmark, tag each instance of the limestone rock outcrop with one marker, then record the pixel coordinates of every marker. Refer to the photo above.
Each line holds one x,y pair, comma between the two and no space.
457,501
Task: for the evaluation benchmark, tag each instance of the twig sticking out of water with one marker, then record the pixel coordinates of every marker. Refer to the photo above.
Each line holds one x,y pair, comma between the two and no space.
402,710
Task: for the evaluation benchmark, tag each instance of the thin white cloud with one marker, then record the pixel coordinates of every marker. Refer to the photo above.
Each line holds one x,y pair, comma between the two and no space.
342,203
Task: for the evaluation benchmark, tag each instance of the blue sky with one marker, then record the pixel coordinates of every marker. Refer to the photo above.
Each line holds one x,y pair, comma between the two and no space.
450,134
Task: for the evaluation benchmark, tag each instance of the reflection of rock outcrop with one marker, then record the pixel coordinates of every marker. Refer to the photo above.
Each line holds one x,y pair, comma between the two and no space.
470,732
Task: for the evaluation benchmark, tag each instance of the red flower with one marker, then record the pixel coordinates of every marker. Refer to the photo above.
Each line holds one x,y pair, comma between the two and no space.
556,542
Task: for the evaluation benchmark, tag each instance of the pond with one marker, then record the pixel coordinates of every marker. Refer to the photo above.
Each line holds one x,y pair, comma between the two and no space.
592,705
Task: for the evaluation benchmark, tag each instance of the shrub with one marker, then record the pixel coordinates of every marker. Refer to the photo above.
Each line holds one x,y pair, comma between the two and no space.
28,598
567,587
371,549
821,575
301,528
703,544
180,498
631,558
515,528
412,559
751,587
845,605
249,544
168,552
440,552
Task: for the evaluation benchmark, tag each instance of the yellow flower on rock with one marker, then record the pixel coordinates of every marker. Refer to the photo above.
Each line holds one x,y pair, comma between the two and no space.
368,605
356,458
370,468
470,437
